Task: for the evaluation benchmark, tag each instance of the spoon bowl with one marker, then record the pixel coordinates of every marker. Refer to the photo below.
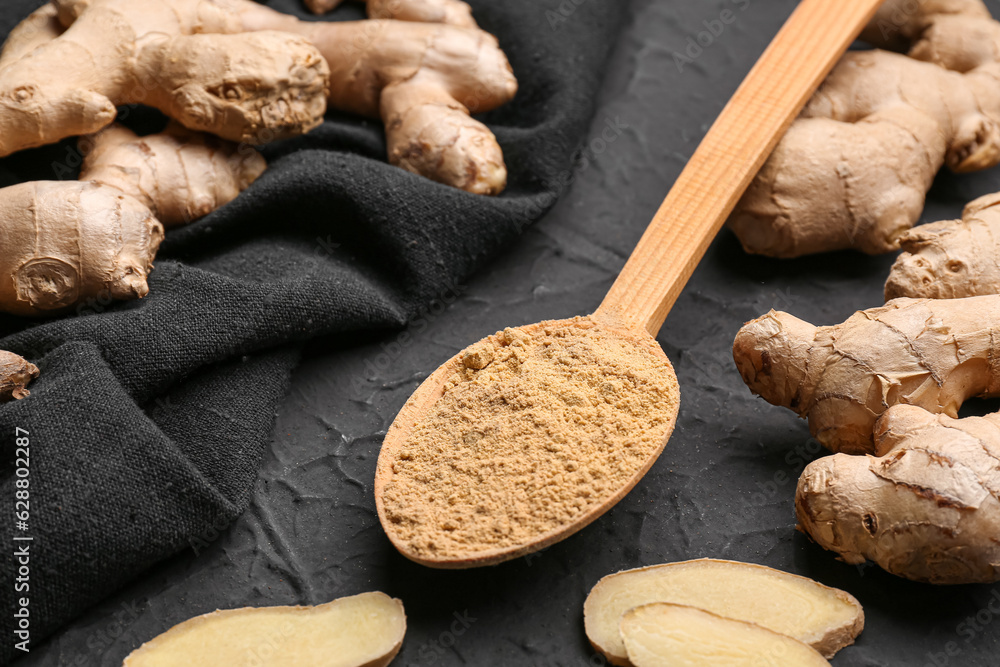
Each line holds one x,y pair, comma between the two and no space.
649,442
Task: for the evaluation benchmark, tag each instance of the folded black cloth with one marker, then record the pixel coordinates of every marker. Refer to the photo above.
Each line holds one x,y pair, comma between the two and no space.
149,419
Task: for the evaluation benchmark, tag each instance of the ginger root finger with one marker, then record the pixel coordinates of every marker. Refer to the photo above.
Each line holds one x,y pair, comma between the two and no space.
800,203
178,174
430,133
898,24
959,43
68,241
359,631
15,374
251,88
423,80
825,618
952,258
40,27
935,354
959,35
662,635
926,507
870,142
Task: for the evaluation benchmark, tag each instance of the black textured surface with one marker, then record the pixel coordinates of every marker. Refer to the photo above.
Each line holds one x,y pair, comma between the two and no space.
723,487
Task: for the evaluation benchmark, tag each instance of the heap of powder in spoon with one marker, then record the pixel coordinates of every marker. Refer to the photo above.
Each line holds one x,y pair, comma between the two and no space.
535,427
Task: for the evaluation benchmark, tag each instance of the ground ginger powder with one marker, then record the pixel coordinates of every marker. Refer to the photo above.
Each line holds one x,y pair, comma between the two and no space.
536,427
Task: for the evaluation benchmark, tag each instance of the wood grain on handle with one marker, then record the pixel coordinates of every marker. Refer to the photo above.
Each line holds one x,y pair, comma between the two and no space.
805,50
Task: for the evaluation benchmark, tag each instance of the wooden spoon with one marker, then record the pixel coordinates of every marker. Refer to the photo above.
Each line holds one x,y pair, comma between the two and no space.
789,71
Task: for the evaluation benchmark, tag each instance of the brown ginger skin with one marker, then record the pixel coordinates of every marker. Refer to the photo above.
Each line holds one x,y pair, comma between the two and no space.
41,26
15,374
422,79
935,354
179,175
853,171
925,507
958,35
425,101
952,258
243,87
66,242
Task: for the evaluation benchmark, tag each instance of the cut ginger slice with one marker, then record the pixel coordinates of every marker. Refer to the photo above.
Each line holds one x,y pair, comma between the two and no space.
670,635
359,631
825,618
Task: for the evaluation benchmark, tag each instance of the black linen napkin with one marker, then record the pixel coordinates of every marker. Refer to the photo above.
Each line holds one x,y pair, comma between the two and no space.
149,419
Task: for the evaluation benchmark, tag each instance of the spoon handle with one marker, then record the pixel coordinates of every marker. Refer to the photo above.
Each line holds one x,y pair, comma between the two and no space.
812,40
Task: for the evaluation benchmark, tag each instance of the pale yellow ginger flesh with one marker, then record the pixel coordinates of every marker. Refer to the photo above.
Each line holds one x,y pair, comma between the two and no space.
933,353
15,374
669,635
854,169
539,427
67,242
952,258
422,79
927,508
360,631
825,618
454,12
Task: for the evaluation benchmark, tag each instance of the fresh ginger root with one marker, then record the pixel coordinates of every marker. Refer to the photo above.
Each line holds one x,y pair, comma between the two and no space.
422,79
179,175
935,354
927,508
952,258
669,635
244,87
825,618
15,374
853,171
360,631
41,26
958,35
69,241
453,12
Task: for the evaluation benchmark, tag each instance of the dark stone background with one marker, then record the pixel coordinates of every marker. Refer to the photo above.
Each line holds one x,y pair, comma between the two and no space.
723,487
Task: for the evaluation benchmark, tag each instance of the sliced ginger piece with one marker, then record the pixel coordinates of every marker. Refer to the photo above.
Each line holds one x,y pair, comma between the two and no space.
670,635
825,618
360,631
